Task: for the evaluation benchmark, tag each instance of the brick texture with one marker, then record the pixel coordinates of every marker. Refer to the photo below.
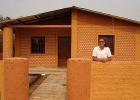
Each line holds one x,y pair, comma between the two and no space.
78,81
92,25
1,44
115,81
1,66
124,42
15,83
23,45
89,26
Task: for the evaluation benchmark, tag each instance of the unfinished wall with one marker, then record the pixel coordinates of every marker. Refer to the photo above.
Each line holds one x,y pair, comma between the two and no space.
91,25
23,45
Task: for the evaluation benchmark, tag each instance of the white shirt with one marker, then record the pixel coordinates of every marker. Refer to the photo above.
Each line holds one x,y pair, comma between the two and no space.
105,53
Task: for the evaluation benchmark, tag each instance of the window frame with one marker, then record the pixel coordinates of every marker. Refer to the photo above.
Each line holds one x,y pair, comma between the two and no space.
43,49
114,42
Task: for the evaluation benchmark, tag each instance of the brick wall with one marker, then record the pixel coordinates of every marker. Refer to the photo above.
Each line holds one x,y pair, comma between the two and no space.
92,25
78,79
138,45
1,66
1,44
14,79
23,45
115,81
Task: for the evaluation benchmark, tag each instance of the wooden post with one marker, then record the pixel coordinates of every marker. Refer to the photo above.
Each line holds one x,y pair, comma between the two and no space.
74,34
7,42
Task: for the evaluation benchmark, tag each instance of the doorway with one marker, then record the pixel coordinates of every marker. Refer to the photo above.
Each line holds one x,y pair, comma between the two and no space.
64,50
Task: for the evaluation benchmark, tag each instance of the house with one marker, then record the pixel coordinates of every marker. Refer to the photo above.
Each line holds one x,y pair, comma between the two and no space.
49,39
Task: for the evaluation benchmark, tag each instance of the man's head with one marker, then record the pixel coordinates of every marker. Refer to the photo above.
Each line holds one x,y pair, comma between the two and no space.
102,43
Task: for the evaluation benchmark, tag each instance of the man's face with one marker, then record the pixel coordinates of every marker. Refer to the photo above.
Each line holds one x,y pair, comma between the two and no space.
101,42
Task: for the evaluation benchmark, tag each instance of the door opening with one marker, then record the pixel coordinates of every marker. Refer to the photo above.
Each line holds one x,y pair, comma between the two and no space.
64,50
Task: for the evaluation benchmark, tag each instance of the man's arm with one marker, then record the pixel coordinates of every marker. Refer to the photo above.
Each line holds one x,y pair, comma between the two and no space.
109,58
101,59
97,59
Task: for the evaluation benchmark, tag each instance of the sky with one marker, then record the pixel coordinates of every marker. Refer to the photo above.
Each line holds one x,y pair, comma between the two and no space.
21,8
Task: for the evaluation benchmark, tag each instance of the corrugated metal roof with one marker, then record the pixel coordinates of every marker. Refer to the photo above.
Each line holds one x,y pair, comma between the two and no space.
52,14
35,18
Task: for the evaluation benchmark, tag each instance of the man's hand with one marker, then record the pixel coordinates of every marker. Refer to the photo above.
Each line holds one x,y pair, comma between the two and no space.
103,60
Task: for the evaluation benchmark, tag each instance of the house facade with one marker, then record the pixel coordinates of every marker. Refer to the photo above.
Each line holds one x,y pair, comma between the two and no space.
49,39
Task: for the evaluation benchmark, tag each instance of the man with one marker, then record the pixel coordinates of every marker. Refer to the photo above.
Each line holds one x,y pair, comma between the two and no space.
101,53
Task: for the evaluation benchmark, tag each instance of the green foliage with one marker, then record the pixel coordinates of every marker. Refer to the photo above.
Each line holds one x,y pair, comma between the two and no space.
2,19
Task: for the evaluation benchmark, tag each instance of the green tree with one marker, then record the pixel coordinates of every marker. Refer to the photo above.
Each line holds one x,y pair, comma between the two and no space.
4,18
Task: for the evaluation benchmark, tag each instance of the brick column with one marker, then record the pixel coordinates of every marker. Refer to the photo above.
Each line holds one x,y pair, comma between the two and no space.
74,40
15,85
79,74
7,42
1,66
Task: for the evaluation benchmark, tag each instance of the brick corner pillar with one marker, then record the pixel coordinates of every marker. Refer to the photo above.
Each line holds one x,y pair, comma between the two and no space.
74,34
15,85
1,66
7,42
79,74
